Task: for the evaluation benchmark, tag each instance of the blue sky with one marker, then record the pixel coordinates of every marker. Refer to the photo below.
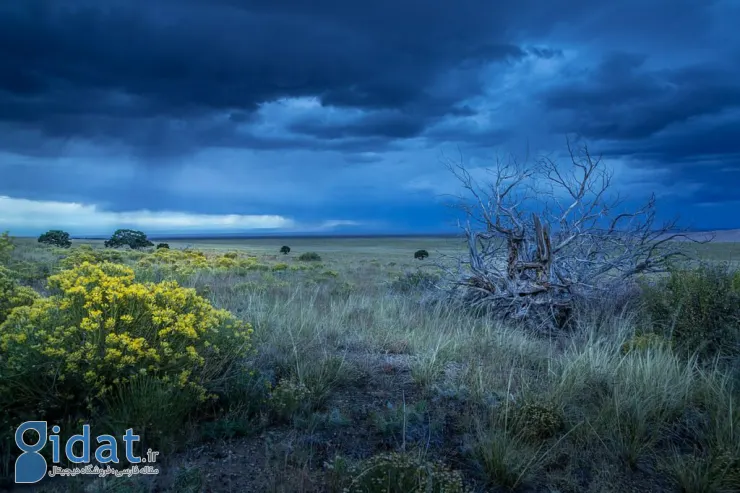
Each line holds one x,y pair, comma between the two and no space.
334,117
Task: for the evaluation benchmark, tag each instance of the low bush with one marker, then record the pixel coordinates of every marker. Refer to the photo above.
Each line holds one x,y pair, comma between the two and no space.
537,421
699,310
309,257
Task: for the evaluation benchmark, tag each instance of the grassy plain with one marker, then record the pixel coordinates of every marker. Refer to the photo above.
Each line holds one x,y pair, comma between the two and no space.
372,370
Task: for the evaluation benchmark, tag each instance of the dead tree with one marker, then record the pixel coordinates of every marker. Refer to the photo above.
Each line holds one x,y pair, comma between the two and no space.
541,235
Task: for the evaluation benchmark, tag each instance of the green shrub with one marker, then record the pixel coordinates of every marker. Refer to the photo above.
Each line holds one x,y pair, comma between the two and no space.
56,238
421,254
288,399
309,257
698,309
225,262
100,329
85,253
395,472
231,255
163,245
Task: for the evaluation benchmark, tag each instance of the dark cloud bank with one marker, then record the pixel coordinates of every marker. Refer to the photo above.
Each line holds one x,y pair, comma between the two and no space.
653,84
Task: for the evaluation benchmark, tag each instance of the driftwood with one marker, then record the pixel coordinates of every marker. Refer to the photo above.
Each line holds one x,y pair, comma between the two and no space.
539,236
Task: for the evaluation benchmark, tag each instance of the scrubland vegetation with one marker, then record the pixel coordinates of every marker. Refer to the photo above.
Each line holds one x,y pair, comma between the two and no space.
343,370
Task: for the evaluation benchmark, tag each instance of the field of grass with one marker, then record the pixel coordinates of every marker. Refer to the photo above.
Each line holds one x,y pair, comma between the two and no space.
358,366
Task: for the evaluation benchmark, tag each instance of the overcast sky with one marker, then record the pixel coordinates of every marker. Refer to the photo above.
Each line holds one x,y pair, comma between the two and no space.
333,115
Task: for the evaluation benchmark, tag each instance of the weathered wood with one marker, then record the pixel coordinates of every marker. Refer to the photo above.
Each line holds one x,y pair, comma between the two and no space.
516,264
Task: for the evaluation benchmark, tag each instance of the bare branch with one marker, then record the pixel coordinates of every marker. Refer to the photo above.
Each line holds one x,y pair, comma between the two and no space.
539,235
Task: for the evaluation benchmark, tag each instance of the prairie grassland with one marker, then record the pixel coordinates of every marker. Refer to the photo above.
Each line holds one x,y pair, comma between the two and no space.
359,365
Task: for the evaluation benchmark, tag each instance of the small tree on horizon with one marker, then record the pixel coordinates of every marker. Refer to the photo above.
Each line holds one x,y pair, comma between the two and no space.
123,237
56,237
421,254
285,250
163,245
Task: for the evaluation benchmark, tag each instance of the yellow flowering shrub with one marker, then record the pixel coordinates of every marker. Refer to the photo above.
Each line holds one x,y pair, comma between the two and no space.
178,264
12,295
225,262
100,328
85,253
175,262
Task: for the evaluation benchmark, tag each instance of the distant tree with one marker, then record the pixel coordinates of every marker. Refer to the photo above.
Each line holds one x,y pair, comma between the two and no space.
134,239
285,250
163,245
56,238
421,254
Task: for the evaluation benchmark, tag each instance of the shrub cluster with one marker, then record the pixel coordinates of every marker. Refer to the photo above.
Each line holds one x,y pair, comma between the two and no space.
100,328
85,253
309,257
699,310
183,263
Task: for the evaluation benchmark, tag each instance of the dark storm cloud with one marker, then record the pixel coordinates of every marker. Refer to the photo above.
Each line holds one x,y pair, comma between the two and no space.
144,73
622,99
97,70
382,85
